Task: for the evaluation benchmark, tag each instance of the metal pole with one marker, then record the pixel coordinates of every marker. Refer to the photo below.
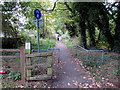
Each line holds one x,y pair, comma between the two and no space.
102,56
87,56
38,39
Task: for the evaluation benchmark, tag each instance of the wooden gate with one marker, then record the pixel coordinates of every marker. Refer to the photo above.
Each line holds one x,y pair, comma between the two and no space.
27,66
46,65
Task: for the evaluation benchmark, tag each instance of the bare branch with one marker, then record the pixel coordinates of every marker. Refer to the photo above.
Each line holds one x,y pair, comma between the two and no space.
68,7
50,9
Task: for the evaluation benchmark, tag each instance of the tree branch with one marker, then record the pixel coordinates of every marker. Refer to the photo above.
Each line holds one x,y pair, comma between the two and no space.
68,7
50,9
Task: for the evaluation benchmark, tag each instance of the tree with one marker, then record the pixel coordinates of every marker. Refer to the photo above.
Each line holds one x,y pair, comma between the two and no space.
117,30
88,20
7,18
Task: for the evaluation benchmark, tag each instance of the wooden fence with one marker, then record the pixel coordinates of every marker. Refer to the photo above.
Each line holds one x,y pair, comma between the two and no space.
48,65
26,66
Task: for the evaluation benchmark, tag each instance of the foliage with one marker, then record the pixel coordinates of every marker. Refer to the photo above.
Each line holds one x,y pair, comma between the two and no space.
71,27
116,72
47,43
14,75
10,19
44,43
69,45
94,26
8,84
70,42
103,18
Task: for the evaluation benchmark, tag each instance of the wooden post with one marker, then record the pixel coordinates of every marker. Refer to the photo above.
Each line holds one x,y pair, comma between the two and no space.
22,63
28,61
49,62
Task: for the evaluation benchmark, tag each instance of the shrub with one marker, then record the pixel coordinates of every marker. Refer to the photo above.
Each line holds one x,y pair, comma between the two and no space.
14,75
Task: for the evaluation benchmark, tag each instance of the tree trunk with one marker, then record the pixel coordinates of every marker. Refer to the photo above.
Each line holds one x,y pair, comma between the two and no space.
106,31
117,31
91,30
83,32
104,27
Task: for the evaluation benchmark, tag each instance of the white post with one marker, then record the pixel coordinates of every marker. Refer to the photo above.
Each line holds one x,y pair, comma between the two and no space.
27,47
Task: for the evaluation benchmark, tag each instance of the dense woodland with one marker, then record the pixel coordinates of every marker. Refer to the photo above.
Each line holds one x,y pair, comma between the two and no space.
95,23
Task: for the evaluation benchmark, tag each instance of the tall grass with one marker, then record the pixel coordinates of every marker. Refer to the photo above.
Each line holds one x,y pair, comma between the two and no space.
44,43
71,42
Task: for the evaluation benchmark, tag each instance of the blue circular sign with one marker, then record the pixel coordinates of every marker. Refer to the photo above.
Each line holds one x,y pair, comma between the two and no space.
37,13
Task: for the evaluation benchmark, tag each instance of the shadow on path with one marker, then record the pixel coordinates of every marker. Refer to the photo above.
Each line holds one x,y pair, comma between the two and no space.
68,74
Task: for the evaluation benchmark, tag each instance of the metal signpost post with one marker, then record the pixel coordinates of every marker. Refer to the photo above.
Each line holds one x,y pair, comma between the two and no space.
37,15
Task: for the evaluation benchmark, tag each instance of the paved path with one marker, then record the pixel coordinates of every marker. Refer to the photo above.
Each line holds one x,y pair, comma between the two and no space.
68,74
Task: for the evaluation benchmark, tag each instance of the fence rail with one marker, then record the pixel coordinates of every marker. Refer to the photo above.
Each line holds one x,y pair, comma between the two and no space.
43,65
39,54
88,50
9,56
10,50
39,77
89,57
17,66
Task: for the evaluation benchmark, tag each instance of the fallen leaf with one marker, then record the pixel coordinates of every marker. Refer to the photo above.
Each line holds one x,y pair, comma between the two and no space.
64,72
68,84
84,77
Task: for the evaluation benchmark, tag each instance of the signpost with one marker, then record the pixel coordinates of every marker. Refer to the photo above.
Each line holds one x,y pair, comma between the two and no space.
38,15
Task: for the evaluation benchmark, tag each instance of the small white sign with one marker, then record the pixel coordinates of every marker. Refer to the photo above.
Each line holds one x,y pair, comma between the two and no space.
35,22
27,45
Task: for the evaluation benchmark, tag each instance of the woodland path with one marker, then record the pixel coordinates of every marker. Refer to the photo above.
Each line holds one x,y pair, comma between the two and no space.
68,72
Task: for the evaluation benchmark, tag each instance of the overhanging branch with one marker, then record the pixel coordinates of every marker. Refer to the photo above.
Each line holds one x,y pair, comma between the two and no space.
68,7
50,9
